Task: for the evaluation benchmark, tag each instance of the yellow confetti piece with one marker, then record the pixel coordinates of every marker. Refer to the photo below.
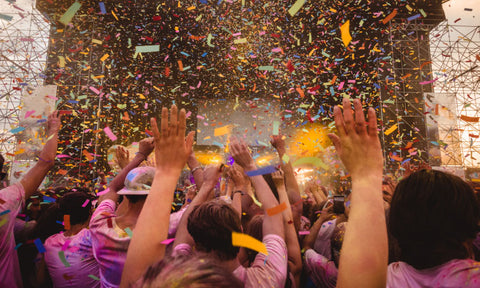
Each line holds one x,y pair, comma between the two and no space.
61,60
247,241
391,129
345,29
104,57
222,130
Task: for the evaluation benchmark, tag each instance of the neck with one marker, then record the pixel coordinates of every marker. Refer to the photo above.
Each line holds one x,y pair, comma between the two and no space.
231,265
74,229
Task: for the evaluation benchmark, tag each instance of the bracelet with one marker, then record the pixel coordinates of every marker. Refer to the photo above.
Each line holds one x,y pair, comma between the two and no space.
40,158
237,191
195,169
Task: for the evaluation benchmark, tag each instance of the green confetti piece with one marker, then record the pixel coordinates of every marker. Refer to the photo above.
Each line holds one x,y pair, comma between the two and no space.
276,128
72,10
94,277
61,255
285,158
317,162
147,48
209,40
296,7
6,17
129,232
266,68
240,41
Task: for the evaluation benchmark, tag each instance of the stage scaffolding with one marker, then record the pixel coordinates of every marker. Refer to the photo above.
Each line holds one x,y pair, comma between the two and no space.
455,51
24,35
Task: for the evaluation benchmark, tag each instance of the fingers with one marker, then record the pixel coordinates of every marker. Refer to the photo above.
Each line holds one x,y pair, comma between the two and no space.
347,116
173,123
360,125
336,142
372,122
189,140
182,123
154,127
338,118
164,122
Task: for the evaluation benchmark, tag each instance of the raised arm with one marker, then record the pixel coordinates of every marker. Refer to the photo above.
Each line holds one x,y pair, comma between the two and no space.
196,169
171,153
271,224
293,247
210,179
239,188
364,256
145,147
46,159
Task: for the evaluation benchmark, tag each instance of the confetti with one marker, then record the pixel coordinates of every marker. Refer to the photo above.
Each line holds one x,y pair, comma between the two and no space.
167,241
262,171
345,30
40,247
109,133
61,255
147,49
67,17
247,241
296,7
277,209
66,222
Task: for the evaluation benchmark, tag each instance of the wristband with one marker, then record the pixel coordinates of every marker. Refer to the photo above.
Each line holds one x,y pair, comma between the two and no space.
237,191
195,169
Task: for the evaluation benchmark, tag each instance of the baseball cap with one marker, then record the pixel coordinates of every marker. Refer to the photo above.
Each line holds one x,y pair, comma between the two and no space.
138,181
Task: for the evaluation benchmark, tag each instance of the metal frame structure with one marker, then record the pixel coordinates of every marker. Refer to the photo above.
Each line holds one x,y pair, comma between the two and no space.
455,51
23,55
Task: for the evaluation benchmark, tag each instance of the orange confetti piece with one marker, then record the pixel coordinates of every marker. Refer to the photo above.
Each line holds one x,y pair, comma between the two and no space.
390,16
277,209
66,222
180,65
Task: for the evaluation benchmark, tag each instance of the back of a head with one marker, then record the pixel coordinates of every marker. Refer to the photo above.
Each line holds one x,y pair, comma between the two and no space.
76,205
211,225
432,214
189,272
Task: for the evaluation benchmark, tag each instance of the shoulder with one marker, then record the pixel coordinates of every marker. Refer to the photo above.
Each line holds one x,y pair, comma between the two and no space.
104,211
12,195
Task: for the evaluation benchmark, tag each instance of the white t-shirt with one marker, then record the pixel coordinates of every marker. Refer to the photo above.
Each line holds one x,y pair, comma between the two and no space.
70,260
455,273
12,199
110,244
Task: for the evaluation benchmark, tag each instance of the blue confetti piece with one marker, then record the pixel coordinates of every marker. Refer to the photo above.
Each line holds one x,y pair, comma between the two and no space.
102,8
18,245
16,130
49,199
414,17
4,212
40,247
262,171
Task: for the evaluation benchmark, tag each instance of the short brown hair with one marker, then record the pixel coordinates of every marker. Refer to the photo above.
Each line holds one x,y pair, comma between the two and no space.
211,225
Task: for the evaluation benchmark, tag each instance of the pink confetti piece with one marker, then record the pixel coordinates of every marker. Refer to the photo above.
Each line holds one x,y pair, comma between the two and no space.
303,232
167,241
428,82
29,113
103,192
85,203
95,90
109,133
65,245
63,156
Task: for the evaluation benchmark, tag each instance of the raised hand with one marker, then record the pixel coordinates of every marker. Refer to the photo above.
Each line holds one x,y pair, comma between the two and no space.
237,176
54,123
357,142
123,156
278,143
241,154
172,148
278,179
145,147
211,174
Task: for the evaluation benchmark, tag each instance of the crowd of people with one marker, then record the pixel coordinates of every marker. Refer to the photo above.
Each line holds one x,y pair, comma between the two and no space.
260,230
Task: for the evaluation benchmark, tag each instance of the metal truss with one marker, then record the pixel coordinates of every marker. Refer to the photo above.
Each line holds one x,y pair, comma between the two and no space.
23,53
455,51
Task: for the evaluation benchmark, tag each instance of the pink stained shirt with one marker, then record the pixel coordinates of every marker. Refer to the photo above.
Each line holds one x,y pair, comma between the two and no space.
11,203
323,272
269,273
80,264
110,244
455,273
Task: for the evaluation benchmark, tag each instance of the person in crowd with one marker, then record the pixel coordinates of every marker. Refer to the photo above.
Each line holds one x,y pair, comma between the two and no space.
69,254
364,256
12,200
111,234
434,218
